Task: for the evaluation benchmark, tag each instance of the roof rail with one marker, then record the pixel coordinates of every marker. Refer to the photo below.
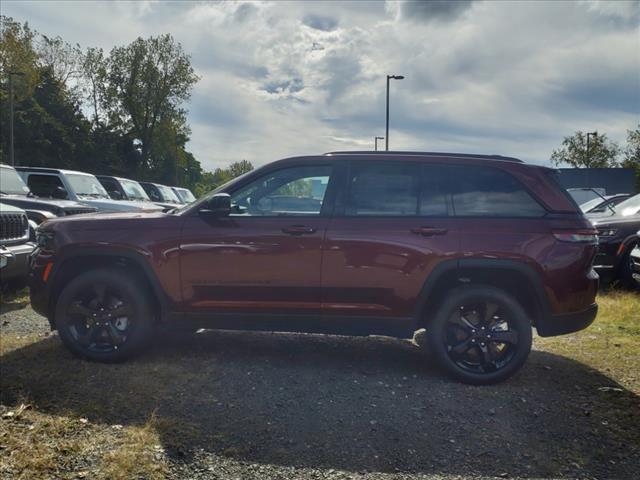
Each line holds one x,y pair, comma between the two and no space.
425,154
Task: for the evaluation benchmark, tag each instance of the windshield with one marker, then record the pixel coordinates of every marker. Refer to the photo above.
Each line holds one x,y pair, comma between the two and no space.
86,185
11,182
585,207
186,195
133,190
630,206
168,194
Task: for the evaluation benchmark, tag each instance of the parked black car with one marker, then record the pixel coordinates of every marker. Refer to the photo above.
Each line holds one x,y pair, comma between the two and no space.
13,191
618,237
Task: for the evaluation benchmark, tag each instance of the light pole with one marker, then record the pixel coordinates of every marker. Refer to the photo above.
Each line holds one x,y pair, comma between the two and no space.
594,135
386,138
376,141
11,151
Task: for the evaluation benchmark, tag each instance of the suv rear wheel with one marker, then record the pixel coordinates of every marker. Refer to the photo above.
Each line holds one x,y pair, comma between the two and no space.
104,315
480,335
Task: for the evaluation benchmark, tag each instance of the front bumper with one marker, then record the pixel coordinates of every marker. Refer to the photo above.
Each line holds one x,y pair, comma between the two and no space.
15,261
635,263
568,322
607,258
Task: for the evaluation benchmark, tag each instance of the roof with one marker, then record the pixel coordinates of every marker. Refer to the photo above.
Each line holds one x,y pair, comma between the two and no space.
423,154
52,170
120,179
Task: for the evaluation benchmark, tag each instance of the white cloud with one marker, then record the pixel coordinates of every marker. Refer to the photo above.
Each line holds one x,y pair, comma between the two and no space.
282,79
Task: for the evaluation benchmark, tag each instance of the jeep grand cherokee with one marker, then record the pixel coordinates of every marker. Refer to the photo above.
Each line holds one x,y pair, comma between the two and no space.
475,249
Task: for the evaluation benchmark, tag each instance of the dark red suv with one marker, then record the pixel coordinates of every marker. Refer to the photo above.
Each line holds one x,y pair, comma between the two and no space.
475,249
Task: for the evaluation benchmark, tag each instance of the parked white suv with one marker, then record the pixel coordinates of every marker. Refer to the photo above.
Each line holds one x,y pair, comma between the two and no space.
78,186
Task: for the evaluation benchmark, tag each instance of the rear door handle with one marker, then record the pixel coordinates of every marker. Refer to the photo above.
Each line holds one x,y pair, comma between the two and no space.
429,231
299,230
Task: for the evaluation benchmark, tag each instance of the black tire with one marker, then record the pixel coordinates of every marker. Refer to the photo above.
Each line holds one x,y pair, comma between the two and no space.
463,337
105,315
626,270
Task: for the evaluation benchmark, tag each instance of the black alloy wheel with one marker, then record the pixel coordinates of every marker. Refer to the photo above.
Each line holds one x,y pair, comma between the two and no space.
105,315
479,338
99,319
480,334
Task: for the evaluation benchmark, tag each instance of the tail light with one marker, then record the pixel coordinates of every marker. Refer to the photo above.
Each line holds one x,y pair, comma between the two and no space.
589,237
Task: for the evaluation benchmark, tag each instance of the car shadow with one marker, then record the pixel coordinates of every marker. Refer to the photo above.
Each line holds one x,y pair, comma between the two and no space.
355,404
10,304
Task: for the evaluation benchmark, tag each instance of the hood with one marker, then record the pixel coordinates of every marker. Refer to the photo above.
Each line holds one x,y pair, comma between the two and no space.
6,208
107,205
125,221
617,220
37,203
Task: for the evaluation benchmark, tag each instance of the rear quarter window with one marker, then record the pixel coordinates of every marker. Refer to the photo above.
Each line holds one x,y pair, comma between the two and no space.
491,192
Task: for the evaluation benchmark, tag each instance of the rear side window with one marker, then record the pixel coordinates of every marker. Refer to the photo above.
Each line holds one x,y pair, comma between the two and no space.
383,189
490,192
43,185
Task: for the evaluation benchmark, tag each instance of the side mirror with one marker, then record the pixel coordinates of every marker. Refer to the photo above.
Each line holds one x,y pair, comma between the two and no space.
218,206
60,193
116,195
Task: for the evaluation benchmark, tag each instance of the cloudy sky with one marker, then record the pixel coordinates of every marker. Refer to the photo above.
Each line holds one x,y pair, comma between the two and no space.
287,78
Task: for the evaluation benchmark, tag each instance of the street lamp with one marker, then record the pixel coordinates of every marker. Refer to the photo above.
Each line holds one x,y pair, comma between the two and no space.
594,135
376,140
389,77
11,154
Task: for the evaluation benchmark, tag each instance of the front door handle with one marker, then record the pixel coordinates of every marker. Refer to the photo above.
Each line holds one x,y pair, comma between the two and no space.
299,230
429,231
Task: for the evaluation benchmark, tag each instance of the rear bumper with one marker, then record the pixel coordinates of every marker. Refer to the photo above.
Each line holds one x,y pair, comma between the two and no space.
15,261
568,322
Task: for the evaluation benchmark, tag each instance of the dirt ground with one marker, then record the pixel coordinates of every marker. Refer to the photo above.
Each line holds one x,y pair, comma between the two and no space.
227,405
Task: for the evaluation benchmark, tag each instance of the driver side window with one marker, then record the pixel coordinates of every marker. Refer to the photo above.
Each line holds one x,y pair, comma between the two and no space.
294,191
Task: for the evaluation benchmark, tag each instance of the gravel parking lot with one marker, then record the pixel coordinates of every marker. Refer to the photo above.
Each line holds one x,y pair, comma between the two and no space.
256,405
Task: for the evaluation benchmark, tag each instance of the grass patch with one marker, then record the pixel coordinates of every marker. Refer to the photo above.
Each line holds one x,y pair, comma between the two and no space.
611,344
13,300
138,454
34,446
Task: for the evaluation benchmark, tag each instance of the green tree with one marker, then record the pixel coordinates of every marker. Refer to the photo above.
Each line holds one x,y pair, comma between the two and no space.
631,153
220,176
602,152
63,59
147,83
17,54
50,130
93,81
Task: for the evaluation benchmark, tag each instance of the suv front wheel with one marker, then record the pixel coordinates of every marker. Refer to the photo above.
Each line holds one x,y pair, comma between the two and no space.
480,335
104,315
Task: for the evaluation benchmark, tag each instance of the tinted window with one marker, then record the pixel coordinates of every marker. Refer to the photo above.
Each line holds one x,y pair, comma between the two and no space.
110,186
289,191
383,189
433,197
482,191
152,191
43,185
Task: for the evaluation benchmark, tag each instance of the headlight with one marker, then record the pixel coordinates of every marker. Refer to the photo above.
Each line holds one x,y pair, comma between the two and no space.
607,232
44,239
